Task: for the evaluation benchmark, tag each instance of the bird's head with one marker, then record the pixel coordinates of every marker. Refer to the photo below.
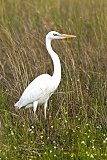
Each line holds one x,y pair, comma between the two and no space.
55,35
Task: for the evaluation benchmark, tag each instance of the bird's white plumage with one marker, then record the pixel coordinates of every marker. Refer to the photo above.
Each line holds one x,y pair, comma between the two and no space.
42,87
38,90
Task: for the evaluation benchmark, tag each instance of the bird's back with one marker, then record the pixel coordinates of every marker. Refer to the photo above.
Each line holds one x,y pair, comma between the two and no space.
40,89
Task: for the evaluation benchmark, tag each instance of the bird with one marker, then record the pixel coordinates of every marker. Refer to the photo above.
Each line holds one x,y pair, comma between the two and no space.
41,88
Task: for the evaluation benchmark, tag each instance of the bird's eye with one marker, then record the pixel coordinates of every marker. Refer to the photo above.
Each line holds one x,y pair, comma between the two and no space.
55,34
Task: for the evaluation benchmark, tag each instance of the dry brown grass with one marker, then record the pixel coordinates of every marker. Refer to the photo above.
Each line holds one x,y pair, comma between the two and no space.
24,57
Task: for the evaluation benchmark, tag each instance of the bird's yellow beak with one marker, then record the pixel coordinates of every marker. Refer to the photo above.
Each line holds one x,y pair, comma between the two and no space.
68,36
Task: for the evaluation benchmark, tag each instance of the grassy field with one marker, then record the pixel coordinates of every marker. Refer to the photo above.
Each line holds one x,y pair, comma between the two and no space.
77,112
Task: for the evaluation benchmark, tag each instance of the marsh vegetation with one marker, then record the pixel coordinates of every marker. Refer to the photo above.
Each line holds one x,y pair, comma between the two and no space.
77,112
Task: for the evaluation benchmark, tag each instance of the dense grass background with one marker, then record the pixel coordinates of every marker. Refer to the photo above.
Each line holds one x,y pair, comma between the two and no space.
77,112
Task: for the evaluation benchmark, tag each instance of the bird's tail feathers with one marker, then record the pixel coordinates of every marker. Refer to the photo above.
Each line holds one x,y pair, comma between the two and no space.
17,105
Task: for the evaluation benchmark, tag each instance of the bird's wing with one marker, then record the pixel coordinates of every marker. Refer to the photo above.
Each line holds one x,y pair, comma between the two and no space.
35,90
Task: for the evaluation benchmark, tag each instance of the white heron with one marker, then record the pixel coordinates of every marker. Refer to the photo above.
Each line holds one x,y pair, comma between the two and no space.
42,87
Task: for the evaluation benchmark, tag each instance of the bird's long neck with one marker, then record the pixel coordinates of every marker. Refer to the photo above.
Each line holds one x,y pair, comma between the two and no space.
56,62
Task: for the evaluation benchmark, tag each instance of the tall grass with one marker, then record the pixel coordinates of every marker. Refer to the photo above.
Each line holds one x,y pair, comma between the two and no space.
77,112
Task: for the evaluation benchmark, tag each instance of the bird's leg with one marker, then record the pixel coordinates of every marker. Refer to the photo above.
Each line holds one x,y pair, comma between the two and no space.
35,104
45,106
46,124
